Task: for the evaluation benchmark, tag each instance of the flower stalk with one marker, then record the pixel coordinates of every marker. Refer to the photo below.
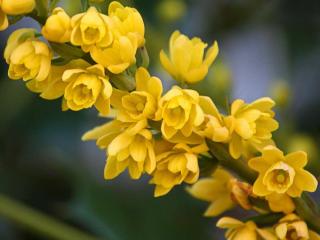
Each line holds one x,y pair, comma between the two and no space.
39,222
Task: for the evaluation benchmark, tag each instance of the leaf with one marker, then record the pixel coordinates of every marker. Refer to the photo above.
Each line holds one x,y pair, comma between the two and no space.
60,61
53,4
42,8
85,5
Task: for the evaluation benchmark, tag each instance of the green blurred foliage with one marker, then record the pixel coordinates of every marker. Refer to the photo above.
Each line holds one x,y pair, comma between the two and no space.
44,163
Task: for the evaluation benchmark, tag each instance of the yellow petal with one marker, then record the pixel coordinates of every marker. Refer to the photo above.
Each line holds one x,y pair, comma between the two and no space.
306,181
259,188
258,164
211,54
110,170
138,150
235,147
120,142
4,23
192,162
236,105
266,235
134,171
196,74
102,105
209,107
229,222
219,206
297,159
167,64
160,191
263,104
207,189
313,235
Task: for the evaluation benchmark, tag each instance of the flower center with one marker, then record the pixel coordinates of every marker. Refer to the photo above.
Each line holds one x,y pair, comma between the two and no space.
176,111
292,235
281,178
85,90
140,106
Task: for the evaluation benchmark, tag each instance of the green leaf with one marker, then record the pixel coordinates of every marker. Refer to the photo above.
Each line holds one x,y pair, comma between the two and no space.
27,35
143,57
85,5
42,8
53,4
266,220
60,61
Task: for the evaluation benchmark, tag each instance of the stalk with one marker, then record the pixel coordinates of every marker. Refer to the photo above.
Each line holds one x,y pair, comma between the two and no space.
39,222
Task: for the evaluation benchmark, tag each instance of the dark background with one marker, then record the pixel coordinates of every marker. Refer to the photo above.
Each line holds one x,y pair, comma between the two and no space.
266,48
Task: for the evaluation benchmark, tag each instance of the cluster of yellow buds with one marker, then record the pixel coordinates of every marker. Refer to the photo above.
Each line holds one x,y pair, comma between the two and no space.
90,59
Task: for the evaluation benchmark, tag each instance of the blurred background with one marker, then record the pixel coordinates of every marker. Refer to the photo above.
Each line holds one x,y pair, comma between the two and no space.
267,48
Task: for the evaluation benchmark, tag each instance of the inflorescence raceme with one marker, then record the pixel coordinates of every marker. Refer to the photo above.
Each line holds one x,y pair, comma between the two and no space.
91,59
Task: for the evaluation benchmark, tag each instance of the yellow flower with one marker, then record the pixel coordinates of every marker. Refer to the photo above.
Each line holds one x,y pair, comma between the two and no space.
179,163
87,87
186,62
213,126
181,114
28,58
130,146
17,7
53,87
250,126
126,21
132,149
119,56
91,30
282,174
105,133
280,203
217,190
240,192
291,227
313,235
17,37
141,103
4,23
237,230
128,32
57,27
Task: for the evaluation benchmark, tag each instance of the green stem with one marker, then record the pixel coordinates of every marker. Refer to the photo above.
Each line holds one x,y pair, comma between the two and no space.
38,222
123,81
265,220
306,210
219,151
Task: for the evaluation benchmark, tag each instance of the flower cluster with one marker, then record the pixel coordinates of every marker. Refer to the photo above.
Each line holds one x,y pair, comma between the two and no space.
90,59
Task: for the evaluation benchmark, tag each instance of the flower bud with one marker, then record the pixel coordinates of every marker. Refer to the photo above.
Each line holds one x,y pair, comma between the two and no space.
17,7
87,87
4,23
58,26
187,61
28,57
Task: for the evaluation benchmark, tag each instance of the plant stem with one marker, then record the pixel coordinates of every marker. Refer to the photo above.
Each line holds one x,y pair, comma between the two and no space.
307,211
38,222
219,151
265,220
